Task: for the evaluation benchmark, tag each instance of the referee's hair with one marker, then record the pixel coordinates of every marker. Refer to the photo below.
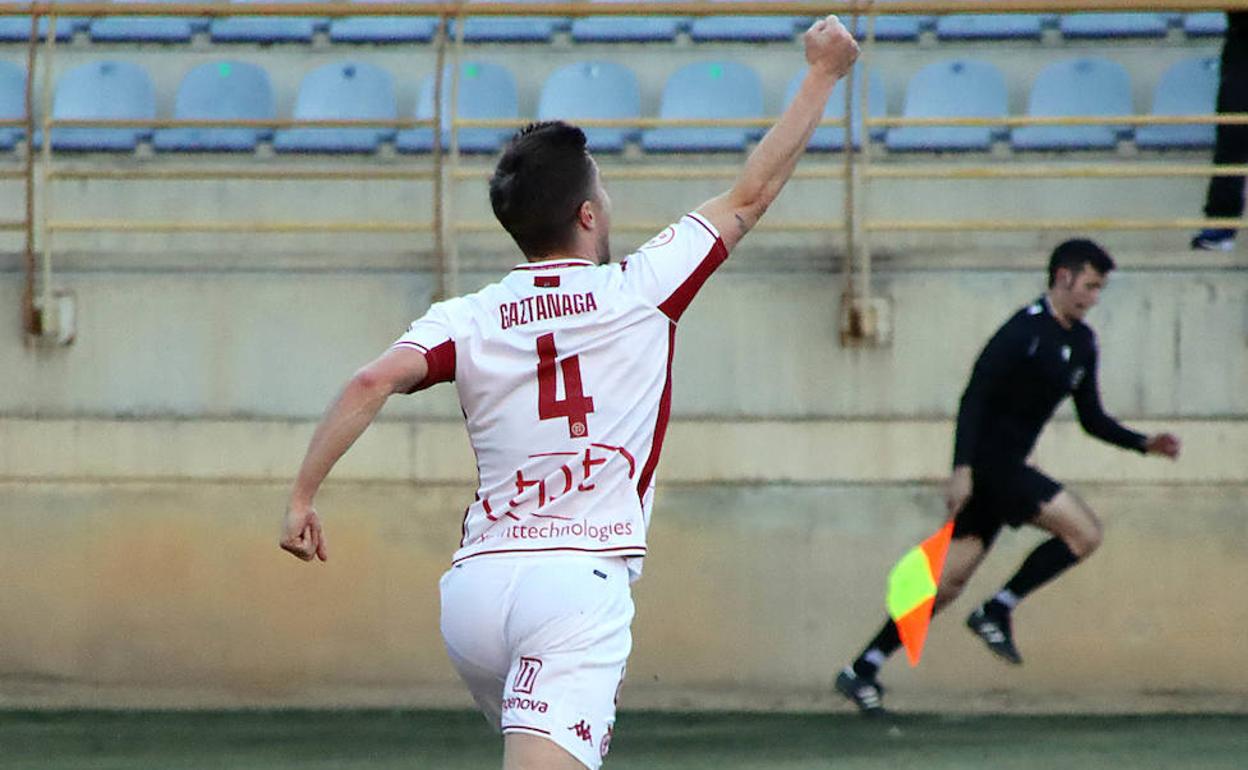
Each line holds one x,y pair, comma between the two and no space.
1076,253
543,177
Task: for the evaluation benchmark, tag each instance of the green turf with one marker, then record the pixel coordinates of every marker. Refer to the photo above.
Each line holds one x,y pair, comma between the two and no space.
354,740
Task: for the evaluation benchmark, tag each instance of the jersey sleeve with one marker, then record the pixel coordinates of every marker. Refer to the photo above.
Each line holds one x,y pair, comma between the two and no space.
1092,415
669,270
993,366
433,335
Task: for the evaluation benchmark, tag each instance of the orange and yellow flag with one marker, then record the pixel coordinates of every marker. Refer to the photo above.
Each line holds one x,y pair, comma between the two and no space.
912,590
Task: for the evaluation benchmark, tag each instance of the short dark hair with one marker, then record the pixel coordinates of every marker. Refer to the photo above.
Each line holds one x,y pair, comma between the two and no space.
1076,253
539,184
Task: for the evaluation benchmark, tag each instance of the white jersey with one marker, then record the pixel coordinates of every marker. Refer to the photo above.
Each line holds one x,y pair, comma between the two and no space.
564,376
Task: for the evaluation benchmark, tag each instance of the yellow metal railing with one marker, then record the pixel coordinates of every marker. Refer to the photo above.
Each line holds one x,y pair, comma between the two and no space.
442,168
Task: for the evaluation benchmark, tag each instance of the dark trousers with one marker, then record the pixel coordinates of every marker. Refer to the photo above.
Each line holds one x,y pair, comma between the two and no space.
1226,193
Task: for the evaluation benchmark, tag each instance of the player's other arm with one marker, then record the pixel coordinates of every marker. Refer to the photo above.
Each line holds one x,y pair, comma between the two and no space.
399,370
1096,422
830,52
993,364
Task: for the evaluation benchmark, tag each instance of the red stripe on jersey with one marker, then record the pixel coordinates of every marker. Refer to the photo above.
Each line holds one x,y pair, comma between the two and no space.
538,730
674,306
704,224
555,265
660,424
441,361
622,550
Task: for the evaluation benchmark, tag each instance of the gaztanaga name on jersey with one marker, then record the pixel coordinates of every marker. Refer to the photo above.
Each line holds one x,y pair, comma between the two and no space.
544,306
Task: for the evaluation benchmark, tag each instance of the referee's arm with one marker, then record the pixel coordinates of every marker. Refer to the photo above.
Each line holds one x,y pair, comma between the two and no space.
1096,422
830,52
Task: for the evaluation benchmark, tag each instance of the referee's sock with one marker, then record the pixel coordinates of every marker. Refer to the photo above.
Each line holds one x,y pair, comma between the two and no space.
1050,559
885,643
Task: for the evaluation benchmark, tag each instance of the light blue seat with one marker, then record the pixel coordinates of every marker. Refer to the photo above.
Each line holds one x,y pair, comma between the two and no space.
1089,86
382,29
102,90
260,29
1205,24
1188,87
1108,25
894,28
145,29
512,29
745,28
991,26
12,103
593,90
224,90
959,88
709,89
17,28
349,90
486,91
627,29
832,138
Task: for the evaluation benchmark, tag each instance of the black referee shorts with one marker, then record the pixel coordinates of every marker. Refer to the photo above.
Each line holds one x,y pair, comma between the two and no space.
1005,494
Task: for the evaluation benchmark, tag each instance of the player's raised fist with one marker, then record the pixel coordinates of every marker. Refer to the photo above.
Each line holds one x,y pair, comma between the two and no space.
830,47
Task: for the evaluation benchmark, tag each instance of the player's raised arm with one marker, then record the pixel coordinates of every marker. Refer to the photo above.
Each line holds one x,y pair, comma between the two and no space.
830,52
399,370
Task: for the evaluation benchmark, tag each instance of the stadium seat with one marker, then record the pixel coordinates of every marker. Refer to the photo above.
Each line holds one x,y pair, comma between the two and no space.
512,29
350,90
260,29
832,138
1090,86
105,90
1189,87
12,102
1204,24
17,28
226,90
486,91
1109,25
958,88
711,89
745,28
627,29
999,26
593,90
145,29
895,28
382,29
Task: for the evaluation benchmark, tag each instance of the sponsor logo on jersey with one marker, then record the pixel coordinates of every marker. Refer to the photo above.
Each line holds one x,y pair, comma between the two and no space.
544,306
525,704
582,731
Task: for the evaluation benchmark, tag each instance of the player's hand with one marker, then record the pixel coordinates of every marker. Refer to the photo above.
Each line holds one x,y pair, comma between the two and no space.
1166,444
301,533
830,47
959,490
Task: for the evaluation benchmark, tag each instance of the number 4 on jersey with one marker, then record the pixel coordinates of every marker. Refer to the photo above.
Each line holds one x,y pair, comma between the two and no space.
574,405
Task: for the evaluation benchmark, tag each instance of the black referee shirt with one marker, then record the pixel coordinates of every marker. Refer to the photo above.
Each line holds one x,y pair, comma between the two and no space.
1023,373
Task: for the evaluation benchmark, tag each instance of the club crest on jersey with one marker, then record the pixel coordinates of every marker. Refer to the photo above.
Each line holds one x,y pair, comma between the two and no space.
662,239
1076,377
526,677
1066,353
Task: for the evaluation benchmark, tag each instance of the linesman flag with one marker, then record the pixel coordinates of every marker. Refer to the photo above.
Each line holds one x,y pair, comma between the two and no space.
912,590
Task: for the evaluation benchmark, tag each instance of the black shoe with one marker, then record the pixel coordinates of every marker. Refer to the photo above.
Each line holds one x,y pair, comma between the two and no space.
866,694
1211,239
995,631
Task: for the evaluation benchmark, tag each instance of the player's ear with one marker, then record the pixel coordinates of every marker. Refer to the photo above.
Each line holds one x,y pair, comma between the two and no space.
585,215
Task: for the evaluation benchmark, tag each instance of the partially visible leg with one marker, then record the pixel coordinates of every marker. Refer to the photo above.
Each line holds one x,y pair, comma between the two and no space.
532,752
1077,534
857,682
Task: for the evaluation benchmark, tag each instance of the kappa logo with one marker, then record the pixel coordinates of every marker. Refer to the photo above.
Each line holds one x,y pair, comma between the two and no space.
526,677
582,731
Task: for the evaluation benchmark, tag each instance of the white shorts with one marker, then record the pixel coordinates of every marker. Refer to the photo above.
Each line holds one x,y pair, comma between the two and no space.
541,642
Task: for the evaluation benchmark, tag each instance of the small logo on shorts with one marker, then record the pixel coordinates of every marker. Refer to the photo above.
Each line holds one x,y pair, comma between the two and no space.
606,742
582,731
526,677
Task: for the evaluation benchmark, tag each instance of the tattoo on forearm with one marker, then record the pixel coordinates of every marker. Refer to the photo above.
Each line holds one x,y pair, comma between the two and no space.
742,225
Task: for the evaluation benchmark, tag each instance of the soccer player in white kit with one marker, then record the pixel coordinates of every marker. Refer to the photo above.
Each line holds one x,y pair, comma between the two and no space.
563,370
